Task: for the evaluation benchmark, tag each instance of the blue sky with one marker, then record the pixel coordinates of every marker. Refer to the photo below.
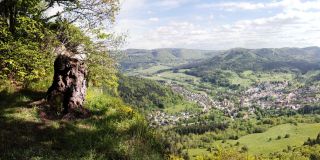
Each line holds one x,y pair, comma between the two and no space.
219,24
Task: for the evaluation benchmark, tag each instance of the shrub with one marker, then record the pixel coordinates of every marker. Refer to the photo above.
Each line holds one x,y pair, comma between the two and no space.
279,137
244,148
287,136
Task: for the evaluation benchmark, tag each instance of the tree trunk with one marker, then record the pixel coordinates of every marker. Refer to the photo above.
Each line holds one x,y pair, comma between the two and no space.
68,89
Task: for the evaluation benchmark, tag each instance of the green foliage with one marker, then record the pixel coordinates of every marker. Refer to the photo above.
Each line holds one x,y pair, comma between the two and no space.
146,93
102,71
28,39
25,57
312,142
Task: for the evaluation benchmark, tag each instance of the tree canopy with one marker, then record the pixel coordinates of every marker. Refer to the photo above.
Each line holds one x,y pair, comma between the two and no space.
30,37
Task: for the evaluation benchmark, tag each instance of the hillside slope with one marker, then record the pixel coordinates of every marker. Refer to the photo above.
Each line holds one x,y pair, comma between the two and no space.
136,58
113,131
239,59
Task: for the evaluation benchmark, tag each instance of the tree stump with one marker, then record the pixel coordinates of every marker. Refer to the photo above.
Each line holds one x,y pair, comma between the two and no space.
68,89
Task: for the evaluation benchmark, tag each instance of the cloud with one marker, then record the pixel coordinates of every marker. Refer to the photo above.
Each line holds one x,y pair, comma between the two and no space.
291,28
170,4
288,4
295,25
154,19
233,5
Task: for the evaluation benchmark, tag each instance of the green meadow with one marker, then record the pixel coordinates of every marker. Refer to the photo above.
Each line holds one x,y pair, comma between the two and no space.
267,142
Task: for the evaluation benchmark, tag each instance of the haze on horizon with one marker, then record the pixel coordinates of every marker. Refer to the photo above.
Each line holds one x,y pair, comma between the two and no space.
218,24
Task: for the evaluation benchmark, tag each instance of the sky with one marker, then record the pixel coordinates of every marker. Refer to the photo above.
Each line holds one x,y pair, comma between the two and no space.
219,24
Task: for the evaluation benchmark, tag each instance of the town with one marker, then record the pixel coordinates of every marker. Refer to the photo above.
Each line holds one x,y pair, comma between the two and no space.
267,95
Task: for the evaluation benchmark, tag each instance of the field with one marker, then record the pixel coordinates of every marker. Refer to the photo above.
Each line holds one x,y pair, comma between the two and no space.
149,70
182,107
245,78
260,143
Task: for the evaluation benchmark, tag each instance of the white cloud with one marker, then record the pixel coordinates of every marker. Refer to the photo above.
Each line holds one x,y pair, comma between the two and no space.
291,28
170,4
288,4
154,19
296,25
233,5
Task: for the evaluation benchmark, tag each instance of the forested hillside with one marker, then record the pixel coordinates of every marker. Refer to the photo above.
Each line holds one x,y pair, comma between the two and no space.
147,94
283,59
139,58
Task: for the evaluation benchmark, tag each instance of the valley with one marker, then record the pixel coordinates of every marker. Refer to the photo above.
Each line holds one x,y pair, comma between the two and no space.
227,90
159,80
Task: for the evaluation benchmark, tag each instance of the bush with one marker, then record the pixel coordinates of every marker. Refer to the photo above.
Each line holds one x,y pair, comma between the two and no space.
244,148
279,137
25,56
287,136
268,121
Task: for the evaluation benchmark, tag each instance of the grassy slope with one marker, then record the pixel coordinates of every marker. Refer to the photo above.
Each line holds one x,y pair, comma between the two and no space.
114,131
180,107
259,143
147,71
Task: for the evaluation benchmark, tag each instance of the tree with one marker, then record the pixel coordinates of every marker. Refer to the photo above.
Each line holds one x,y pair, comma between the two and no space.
88,13
60,34
69,84
10,10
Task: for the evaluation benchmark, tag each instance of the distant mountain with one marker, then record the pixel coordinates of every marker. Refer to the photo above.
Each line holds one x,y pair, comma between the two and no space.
266,59
136,58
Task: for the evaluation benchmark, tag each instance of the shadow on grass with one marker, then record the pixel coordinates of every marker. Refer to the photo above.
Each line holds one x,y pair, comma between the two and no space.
26,139
20,98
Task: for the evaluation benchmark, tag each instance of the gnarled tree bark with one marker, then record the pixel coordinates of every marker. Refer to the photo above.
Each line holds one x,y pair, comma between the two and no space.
68,89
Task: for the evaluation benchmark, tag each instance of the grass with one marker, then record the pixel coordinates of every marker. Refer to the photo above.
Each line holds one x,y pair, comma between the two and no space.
248,78
266,76
114,131
184,106
260,143
197,152
148,71
245,79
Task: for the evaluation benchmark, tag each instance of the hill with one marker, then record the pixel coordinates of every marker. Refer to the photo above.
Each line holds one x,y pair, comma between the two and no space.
283,59
276,139
137,58
246,67
146,94
113,131
268,142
